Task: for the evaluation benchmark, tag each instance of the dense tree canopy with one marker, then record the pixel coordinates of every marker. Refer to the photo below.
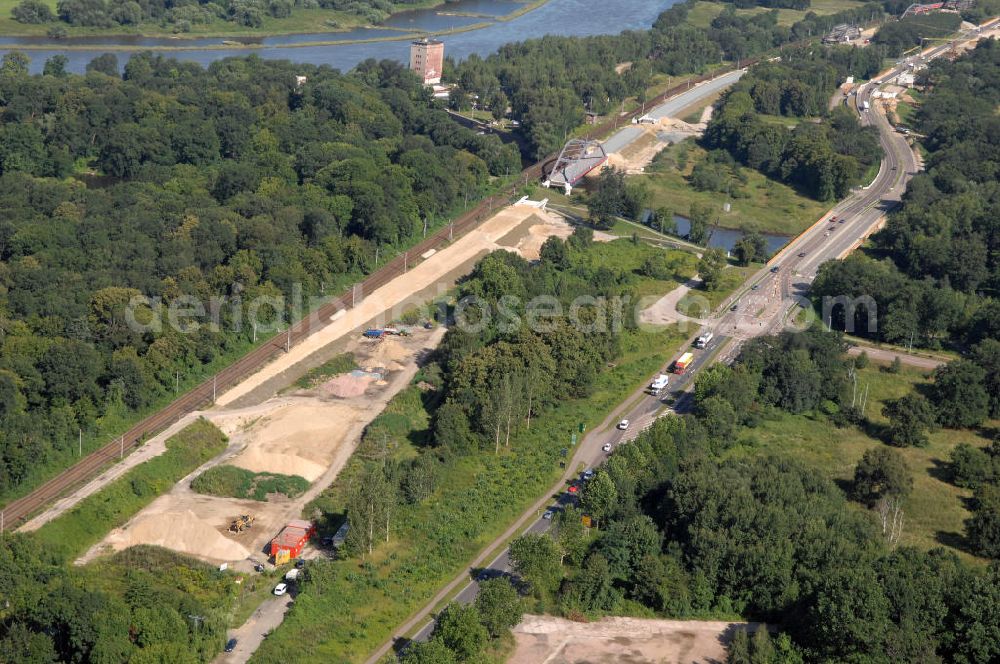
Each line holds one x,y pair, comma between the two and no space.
228,183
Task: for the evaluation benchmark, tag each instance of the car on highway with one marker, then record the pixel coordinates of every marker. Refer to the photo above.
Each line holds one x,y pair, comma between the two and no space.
802,254
231,645
548,515
833,219
774,269
281,589
623,425
826,234
606,447
734,307
755,287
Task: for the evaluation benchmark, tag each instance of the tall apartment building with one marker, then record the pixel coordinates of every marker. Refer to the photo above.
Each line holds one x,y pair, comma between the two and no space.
427,59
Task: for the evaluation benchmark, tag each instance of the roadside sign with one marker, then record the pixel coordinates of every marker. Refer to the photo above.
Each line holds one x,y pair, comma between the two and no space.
585,519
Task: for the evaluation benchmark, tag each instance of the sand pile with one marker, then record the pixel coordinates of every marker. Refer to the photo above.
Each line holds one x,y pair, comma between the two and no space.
260,461
346,386
530,246
388,354
180,531
299,438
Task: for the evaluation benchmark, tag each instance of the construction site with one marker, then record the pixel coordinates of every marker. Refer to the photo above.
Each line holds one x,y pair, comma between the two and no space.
312,432
552,640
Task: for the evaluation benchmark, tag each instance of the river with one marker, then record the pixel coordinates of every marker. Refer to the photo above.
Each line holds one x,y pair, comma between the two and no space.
571,18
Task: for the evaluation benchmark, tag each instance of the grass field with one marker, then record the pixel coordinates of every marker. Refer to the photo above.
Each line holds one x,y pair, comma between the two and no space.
934,512
76,530
769,206
703,12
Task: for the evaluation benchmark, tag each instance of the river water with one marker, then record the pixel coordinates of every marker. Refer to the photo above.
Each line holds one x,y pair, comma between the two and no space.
556,17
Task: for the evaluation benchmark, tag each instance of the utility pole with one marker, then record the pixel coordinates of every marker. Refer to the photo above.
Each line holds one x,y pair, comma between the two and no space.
255,331
405,257
81,442
451,231
177,374
288,340
214,384
425,218
122,453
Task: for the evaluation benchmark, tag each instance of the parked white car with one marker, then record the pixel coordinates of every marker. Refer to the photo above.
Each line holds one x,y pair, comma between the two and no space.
281,589
606,447
623,425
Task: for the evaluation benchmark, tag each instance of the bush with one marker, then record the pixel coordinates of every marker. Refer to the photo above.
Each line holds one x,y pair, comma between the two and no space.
233,482
32,11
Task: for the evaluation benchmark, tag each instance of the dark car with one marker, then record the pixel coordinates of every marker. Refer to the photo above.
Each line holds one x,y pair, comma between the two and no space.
734,307
802,254
300,563
231,645
774,269
755,287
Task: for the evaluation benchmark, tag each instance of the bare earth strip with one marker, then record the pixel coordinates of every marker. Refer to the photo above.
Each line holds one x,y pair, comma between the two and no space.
402,292
550,640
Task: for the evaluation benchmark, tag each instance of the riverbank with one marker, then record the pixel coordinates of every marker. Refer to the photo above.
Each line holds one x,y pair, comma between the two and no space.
301,22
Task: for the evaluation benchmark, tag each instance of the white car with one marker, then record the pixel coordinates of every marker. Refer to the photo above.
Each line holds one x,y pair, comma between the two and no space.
623,425
281,589
588,474
548,514
607,447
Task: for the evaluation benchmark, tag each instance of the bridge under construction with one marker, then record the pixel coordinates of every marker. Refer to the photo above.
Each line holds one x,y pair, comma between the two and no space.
577,158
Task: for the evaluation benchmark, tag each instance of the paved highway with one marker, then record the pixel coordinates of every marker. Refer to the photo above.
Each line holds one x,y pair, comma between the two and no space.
762,305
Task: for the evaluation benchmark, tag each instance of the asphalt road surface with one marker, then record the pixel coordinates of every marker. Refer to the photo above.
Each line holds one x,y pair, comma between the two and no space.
766,300
670,108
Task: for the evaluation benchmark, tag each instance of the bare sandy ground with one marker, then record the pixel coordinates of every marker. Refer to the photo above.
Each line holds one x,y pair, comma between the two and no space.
402,292
638,154
549,640
663,311
301,434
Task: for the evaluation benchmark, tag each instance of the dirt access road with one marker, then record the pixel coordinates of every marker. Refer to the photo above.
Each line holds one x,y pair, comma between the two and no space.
550,640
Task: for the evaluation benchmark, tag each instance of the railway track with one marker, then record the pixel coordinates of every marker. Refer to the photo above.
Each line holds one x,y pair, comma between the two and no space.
17,511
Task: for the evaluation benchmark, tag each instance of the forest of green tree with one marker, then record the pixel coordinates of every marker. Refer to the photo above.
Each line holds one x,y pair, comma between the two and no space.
686,528
230,182
822,159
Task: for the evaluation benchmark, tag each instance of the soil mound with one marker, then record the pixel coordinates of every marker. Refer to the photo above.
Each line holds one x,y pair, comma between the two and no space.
184,532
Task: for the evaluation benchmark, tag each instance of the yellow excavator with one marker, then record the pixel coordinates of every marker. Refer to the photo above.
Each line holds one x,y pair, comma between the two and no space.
241,523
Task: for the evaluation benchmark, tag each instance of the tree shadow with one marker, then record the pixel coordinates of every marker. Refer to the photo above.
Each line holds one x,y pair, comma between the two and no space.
954,540
847,486
941,470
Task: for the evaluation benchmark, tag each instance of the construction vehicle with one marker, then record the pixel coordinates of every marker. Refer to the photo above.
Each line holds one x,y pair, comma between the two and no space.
241,523
683,362
398,331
